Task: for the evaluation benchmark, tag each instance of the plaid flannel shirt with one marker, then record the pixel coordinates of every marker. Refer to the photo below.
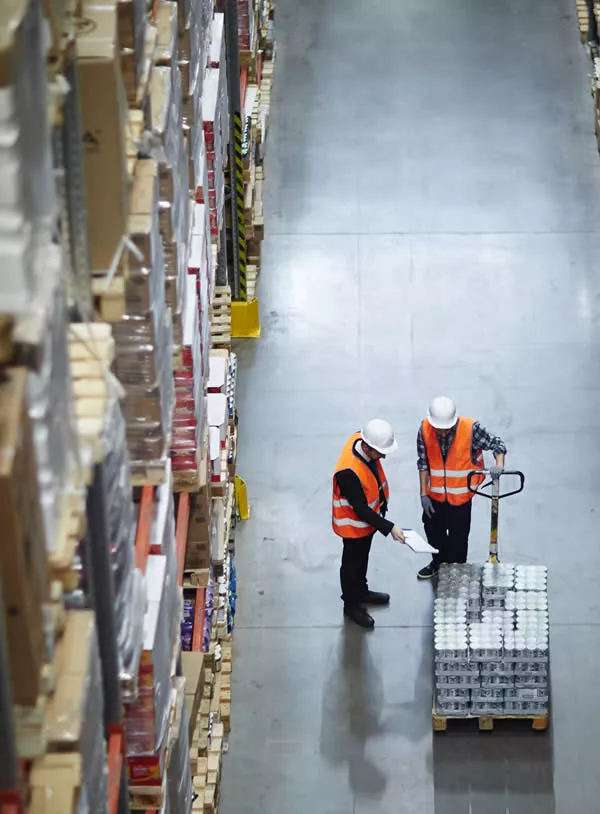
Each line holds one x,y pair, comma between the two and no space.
481,439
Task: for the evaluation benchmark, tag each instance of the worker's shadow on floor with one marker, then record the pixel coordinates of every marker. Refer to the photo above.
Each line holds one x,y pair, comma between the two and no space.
353,701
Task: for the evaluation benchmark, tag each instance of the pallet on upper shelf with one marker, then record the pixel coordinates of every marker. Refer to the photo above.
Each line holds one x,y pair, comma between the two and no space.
196,479
251,281
583,20
220,321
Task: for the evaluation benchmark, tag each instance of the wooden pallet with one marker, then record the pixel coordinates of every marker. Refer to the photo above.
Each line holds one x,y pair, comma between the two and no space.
220,322
486,723
71,530
196,578
149,473
251,281
148,798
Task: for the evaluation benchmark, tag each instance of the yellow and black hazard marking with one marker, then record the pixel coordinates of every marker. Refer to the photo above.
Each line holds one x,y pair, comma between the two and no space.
239,195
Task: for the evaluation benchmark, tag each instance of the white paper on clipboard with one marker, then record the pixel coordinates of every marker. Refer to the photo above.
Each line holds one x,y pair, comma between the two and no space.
415,542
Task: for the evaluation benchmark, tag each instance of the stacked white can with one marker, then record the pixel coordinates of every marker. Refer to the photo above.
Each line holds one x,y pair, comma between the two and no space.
491,640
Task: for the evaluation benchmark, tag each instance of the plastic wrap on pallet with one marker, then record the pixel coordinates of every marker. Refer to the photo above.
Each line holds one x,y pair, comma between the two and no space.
215,114
166,26
144,363
27,196
190,414
179,777
146,719
491,644
129,583
163,540
50,400
169,148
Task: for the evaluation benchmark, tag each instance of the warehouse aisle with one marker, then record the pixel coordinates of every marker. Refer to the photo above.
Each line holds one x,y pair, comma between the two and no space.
433,226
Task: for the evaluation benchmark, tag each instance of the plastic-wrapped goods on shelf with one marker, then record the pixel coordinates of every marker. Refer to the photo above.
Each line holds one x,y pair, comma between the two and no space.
130,594
167,45
169,148
144,366
51,405
201,268
179,777
27,194
147,718
199,171
162,539
215,113
196,44
189,419
104,118
75,711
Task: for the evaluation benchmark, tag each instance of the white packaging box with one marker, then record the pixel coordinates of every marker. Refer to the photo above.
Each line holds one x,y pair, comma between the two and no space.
217,376
214,449
217,414
217,45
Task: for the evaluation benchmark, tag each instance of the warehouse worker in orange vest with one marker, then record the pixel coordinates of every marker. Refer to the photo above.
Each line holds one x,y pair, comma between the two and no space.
449,447
360,502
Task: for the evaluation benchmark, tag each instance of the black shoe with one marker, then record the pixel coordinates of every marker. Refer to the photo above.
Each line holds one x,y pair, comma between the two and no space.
375,598
360,617
429,572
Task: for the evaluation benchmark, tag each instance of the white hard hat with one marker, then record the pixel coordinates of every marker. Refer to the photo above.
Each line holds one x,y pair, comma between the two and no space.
379,435
442,413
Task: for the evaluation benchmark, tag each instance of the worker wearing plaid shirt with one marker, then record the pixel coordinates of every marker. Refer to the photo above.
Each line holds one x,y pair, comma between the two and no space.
447,526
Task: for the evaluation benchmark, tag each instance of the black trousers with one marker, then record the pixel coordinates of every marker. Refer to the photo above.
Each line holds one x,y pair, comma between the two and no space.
353,573
448,531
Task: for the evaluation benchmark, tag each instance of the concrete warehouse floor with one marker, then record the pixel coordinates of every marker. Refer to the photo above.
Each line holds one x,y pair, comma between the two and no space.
433,226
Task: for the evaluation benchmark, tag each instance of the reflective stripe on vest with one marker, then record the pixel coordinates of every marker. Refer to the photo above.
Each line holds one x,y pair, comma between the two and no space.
449,480
344,519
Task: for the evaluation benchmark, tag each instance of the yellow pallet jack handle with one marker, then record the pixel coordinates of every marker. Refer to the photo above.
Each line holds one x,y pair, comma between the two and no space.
495,497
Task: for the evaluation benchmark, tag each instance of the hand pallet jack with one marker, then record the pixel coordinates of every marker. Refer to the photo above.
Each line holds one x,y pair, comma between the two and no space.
495,497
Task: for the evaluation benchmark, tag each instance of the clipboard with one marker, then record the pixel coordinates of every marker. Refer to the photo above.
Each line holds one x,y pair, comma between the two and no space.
417,544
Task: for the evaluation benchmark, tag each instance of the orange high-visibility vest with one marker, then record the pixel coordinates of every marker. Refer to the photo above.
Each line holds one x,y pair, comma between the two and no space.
344,519
448,479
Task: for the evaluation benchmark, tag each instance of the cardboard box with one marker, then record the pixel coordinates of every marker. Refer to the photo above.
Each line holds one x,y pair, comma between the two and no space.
54,781
193,666
65,718
22,542
104,119
144,190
